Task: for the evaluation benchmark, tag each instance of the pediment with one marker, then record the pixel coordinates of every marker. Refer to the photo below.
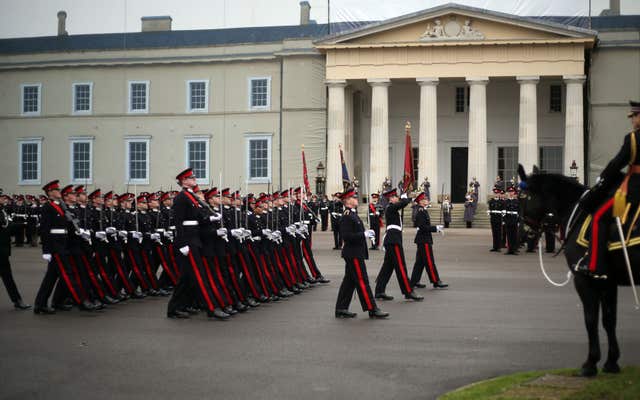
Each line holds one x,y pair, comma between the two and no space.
455,23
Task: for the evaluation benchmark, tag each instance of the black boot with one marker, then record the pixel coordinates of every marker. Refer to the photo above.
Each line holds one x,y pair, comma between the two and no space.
86,305
378,313
62,307
20,305
383,296
177,314
44,310
345,314
440,285
420,285
413,296
218,314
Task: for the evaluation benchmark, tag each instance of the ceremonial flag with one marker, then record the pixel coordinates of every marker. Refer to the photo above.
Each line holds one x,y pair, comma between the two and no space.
305,176
408,178
345,174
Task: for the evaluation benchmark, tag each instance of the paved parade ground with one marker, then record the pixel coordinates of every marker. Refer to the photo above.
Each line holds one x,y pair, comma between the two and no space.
499,316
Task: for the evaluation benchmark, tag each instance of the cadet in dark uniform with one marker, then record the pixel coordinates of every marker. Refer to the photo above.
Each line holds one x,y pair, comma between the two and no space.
324,212
335,209
19,220
375,221
394,252
511,219
496,206
424,243
354,254
5,253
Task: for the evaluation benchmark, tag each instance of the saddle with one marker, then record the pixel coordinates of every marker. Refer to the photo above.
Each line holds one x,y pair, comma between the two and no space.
630,227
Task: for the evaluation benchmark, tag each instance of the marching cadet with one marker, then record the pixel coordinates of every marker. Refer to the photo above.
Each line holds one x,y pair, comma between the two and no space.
496,207
118,238
169,230
160,242
5,253
424,243
394,252
33,214
354,254
54,227
324,212
308,218
187,217
19,218
511,219
375,220
336,209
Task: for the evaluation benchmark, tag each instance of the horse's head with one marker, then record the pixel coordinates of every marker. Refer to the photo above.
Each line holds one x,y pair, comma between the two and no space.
543,195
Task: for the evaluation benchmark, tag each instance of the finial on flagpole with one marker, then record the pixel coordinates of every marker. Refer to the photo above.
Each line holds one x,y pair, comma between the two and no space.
340,146
302,145
407,126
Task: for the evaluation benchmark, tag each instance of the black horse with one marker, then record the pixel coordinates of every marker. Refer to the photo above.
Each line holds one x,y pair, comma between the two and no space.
558,194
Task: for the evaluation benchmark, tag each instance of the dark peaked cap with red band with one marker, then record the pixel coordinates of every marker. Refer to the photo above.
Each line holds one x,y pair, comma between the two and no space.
79,189
53,185
94,194
348,192
390,193
420,196
66,190
635,108
187,173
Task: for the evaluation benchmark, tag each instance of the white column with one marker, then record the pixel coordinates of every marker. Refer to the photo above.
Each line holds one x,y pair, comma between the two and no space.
379,156
478,134
574,125
335,134
348,132
528,123
428,137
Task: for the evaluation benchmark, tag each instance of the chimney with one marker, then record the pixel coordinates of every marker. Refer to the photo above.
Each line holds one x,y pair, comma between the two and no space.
305,12
614,8
156,24
62,23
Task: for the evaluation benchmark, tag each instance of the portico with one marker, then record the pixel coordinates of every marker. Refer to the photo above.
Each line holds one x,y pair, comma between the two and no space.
466,79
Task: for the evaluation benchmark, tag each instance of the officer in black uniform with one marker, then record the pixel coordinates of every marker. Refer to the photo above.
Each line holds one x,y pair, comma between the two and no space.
323,207
5,253
424,243
336,209
496,206
375,220
19,218
394,252
354,254
511,219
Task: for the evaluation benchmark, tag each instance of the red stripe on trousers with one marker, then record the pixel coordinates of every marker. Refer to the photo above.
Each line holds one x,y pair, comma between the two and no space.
212,282
105,277
268,274
152,275
289,270
281,268
594,233
296,267
308,257
66,279
247,276
432,271
203,289
143,284
223,284
403,271
365,294
74,267
123,276
234,280
258,269
165,266
92,276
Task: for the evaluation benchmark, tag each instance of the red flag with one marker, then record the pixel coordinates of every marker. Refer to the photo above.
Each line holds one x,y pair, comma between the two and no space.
305,176
408,178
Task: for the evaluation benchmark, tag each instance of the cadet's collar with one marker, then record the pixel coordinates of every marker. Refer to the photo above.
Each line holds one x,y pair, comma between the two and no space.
56,202
226,207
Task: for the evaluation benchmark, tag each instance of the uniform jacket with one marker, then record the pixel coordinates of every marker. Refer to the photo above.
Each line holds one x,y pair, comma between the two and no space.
423,221
352,232
622,159
187,208
53,217
392,217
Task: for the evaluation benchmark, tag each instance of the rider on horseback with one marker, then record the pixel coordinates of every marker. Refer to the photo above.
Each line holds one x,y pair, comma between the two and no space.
594,261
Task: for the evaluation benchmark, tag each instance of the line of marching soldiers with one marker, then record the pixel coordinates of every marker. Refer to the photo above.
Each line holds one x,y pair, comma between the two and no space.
106,248
23,212
507,228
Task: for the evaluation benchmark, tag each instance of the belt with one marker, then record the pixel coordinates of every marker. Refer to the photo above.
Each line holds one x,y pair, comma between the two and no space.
172,227
190,223
512,212
396,227
495,212
58,231
160,230
20,215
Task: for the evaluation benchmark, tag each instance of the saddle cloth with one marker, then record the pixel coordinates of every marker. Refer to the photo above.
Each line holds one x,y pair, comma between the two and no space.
630,227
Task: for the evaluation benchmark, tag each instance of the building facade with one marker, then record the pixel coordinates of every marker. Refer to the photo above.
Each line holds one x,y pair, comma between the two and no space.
482,91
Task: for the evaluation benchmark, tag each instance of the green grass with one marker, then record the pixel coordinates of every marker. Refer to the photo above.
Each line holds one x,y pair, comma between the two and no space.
623,386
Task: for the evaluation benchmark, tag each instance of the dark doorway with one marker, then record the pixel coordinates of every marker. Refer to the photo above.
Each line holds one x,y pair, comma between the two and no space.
459,162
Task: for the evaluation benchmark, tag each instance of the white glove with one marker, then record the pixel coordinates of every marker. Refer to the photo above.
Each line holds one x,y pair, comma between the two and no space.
439,228
168,235
111,230
377,213
184,250
221,232
266,232
155,236
123,234
215,217
369,233
403,195
136,235
304,229
236,233
46,257
246,233
101,235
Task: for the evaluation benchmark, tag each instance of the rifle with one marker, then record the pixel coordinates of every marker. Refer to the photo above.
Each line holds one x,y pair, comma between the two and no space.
220,191
366,189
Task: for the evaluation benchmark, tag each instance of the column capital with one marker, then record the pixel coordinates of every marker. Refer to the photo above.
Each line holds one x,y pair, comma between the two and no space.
477,80
528,79
379,81
574,79
427,81
335,82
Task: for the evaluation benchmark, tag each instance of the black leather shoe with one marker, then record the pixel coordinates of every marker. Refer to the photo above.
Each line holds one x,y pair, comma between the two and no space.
384,296
373,248
311,281
218,314
177,314
378,313
322,279
87,306
44,310
440,285
252,302
190,310
163,293
345,314
420,285
63,307
241,307
138,294
153,292
264,299
413,296
109,300
498,250
20,305
229,310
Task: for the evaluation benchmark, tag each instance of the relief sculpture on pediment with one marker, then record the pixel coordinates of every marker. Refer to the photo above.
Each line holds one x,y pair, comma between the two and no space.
451,30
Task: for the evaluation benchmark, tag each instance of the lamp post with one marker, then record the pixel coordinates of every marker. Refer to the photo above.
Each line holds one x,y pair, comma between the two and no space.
320,178
573,170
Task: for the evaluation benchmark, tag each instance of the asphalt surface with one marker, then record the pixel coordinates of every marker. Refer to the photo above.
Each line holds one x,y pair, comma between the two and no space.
499,316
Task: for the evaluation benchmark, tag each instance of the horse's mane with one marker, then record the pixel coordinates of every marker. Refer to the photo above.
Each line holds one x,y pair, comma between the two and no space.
555,184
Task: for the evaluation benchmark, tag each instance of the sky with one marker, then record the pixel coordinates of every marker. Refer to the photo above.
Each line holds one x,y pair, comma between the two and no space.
29,18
